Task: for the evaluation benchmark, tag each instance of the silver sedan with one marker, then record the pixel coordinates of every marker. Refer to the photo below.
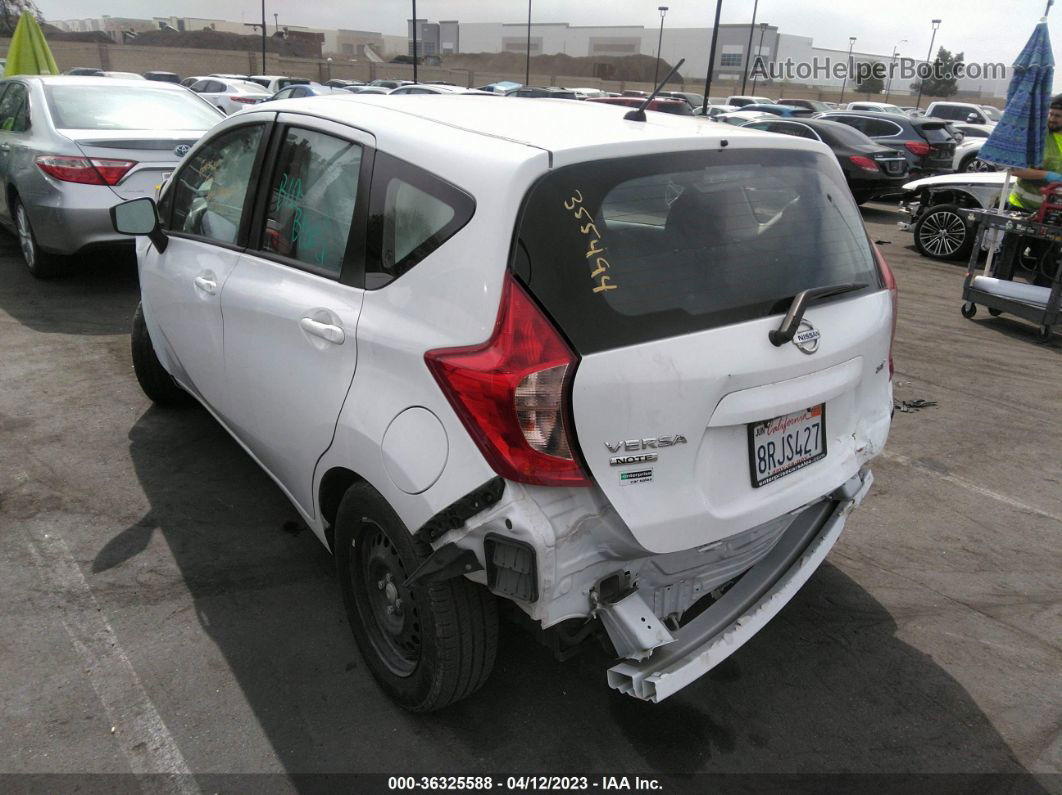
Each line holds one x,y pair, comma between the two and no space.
72,147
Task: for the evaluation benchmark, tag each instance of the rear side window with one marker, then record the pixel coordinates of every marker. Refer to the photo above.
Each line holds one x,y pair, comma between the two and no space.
14,109
631,250
312,199
881,128
949,112
411,214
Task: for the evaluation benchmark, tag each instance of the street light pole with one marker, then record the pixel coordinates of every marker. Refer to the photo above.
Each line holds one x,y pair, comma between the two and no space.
414,41
659,44
527,63
748,51
264,70
276,23
851,43
711,57
759,49
929,63
892,66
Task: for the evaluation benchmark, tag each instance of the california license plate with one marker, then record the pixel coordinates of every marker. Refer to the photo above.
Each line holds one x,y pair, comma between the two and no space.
780,446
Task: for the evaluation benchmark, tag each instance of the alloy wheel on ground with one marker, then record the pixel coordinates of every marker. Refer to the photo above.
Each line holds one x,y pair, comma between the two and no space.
25,237
942,234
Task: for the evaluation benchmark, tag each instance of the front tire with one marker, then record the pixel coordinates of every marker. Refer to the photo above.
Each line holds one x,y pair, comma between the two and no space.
152,376
41,264
941,233
428,645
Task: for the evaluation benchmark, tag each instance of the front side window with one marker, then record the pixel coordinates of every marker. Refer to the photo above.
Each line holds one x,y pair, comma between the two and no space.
210,191
14,109
412,213
312,199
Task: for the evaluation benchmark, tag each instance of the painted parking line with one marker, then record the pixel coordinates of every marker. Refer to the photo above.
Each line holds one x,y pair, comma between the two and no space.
147,744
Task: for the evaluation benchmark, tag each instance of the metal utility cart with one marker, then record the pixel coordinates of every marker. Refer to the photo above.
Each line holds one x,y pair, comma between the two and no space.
998,292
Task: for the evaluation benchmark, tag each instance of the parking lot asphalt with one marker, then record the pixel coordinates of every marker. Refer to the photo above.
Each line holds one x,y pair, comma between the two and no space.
161,612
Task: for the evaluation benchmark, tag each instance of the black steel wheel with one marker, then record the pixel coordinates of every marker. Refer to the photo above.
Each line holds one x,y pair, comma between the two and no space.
941,233
1043,334
428,645
968,310
995,312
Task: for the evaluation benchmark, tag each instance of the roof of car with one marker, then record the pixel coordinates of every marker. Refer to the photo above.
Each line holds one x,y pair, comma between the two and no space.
549,124
110,82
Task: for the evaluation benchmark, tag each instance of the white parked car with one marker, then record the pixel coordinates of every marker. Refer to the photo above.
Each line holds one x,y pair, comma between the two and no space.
965,112
437,88
625,375
230,96
739,101
273,83
876,107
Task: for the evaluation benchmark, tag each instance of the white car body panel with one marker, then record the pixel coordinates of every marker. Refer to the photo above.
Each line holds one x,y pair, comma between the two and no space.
972,178
366,403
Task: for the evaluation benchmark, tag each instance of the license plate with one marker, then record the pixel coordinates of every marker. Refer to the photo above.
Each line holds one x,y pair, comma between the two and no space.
780,446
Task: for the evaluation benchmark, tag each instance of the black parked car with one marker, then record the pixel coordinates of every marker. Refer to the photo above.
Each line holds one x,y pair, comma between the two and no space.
928,144
535,92
163,77
871,170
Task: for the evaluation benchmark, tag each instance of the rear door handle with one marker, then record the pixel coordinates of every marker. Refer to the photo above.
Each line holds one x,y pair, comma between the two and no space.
208,286
326,331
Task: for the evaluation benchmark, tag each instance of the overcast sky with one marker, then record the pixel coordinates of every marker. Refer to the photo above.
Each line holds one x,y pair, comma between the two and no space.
985,30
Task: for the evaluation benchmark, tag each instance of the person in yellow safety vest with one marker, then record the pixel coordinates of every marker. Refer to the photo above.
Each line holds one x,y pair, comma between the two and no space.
1026,195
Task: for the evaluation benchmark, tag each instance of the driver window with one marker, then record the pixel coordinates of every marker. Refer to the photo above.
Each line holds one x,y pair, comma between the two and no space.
209,192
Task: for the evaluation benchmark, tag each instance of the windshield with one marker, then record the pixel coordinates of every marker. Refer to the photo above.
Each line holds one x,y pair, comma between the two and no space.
993,114
642,248
128,108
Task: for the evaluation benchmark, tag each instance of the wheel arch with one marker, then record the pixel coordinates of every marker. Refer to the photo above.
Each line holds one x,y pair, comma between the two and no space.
334,484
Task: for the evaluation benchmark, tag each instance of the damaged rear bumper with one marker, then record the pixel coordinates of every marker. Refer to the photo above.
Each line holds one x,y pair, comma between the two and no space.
746,608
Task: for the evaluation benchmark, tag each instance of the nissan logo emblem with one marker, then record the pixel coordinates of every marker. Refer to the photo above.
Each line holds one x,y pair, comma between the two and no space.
806,338
181,150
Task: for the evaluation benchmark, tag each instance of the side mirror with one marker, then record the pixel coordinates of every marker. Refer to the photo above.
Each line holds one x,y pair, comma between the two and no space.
973,118
139,217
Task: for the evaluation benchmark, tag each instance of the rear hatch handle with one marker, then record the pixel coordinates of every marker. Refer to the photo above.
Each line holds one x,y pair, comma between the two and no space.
785,332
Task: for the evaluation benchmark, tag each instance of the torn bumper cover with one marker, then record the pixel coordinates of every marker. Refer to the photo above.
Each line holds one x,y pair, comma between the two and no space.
746,608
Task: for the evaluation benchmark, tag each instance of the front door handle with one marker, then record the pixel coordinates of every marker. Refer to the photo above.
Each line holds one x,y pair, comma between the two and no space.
325,331
208,286
5,147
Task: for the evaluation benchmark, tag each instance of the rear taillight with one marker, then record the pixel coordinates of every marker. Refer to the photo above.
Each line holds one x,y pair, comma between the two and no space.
512,392
245,100
87,171
864,163
918,148
890,285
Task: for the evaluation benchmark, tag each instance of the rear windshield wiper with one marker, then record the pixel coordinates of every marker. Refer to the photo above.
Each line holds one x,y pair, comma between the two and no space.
785,332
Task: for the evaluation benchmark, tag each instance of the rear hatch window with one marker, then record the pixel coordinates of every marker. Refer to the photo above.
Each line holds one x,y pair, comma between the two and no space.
630,250
938,136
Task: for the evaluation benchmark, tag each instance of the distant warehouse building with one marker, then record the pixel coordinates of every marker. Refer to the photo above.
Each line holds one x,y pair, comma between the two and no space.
780,51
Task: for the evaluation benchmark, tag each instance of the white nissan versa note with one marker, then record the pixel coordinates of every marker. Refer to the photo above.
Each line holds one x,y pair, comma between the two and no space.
625,375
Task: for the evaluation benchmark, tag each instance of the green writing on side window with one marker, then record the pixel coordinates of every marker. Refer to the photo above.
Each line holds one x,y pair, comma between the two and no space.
288,193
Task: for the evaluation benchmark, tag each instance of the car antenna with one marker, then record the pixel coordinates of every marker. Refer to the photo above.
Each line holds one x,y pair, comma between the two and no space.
638,114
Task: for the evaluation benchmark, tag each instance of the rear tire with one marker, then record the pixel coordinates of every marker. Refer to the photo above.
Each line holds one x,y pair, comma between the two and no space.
152,376
427,646
41,264
942,233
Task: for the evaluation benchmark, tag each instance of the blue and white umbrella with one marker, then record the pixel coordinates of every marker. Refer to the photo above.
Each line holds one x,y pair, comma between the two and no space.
1018,139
